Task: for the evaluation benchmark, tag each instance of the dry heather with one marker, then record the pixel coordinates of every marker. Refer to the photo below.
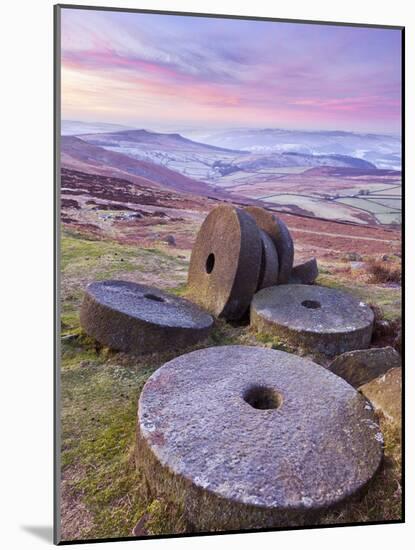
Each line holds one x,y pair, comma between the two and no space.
384,271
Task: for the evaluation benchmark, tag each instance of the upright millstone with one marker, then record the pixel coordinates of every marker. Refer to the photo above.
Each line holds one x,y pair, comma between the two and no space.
314,317
268,274
249,438
141,319
225,262
281,237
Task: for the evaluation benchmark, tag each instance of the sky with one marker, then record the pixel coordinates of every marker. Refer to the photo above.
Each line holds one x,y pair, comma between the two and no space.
166,72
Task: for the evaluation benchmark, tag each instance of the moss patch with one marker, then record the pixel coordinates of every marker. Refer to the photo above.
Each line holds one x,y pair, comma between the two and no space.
387,298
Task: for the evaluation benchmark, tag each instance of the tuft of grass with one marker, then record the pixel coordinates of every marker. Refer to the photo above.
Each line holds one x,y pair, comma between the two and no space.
384,272
165,517
388,299
385,331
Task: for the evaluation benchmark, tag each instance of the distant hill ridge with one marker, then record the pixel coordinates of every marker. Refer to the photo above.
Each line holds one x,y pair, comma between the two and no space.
173,140
78,154
347,160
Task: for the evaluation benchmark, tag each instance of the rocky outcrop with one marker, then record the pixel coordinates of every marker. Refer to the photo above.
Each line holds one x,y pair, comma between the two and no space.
361,366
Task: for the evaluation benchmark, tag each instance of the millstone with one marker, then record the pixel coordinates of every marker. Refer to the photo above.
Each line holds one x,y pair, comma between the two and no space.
305,273
225,262
248,437
281,237
141,319
314,317
268,274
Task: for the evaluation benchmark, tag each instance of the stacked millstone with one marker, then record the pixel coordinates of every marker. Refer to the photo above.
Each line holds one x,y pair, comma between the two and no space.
239,252
140,319
246,438
243,259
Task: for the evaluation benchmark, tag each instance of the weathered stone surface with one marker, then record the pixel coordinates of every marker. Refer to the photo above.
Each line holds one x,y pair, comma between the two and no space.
305,273
225,262
279,233
313,317
248,437
268,274
361,366
385,394
141,319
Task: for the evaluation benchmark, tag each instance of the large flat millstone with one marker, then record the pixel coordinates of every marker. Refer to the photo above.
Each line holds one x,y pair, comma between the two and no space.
141,319
281,237
248,437
225,262
314,317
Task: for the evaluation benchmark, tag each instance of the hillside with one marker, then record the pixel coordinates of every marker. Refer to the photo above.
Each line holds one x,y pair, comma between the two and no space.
79,155
152,140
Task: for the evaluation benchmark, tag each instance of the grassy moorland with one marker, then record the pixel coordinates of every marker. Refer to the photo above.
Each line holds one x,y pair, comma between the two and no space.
103,495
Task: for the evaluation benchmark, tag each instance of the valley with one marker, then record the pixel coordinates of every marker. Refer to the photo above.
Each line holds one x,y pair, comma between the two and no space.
321,184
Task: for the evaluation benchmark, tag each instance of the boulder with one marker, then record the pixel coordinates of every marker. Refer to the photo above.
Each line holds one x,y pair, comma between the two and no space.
361,366
170,240
385,394
305,273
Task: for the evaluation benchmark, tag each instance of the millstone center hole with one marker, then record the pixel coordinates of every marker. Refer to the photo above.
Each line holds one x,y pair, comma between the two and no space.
261,397
210,263
311,304
154,297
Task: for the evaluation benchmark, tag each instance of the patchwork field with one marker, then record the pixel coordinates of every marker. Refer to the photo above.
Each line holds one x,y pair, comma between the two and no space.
333,193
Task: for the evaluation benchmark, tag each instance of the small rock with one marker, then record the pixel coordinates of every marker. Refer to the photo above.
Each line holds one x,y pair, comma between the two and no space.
385,394
361,366
69,337
353,257
170,240
357,265
397,343
305,273
385,258
382,327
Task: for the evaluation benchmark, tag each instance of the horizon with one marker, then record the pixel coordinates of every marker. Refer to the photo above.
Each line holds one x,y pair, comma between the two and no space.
169,71
218,129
